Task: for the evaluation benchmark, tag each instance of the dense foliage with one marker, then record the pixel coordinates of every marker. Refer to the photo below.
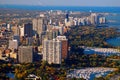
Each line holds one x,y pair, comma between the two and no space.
58,72
40,69
5,68
77,61
90,36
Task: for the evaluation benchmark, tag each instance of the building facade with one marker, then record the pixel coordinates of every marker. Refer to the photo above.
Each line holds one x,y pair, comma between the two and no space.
52,51
64,42
26,30
13,44
39,25
25,54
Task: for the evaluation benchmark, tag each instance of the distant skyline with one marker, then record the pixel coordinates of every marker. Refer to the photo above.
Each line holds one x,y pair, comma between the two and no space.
62,2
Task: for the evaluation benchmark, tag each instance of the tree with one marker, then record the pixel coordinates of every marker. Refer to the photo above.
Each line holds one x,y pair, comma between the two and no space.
99,78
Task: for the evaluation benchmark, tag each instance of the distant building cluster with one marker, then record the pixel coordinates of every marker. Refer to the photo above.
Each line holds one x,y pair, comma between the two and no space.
25,40
92,19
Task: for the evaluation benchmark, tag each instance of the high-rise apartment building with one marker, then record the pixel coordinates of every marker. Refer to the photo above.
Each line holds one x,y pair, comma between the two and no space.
102,20
25,54
93,18
39,25
64,47
52,51
16,30
26,30
52,34
8,27
22,31
67,16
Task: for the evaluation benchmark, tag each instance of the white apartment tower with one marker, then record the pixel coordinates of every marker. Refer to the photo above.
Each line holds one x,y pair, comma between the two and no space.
22,31
52,51
93,18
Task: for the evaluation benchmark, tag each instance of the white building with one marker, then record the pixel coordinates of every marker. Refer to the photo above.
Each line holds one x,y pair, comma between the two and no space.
102,20
13,44
22,31
93,18
9,27
52,51
61,38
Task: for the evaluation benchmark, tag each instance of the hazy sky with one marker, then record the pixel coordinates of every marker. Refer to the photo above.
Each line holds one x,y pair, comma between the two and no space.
64,2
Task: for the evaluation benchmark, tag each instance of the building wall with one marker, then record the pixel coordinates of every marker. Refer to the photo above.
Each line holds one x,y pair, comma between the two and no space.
64,42
25,54
64,49
28,29
22,31
38,25
13,44
52,51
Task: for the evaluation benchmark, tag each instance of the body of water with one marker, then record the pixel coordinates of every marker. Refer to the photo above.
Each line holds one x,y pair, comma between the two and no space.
114,41
113,20
69,8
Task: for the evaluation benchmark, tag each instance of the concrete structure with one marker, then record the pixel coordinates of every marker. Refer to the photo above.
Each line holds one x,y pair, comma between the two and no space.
93,18
16,30
67,17
52,33
25,54
22,31
61,30
52,51
16,37
102,20
13,44
8,27
64,41
39,25
26,30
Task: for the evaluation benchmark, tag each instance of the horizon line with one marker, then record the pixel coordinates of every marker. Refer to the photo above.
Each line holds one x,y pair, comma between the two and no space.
53,5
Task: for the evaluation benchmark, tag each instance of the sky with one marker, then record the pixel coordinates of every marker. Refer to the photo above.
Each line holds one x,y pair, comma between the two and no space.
62,2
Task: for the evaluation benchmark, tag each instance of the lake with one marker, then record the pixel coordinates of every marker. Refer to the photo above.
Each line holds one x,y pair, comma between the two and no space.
114,42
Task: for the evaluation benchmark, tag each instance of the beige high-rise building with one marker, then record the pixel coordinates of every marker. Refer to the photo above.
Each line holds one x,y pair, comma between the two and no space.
93,18
13,44
52,51
39,25
25,54
16,30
